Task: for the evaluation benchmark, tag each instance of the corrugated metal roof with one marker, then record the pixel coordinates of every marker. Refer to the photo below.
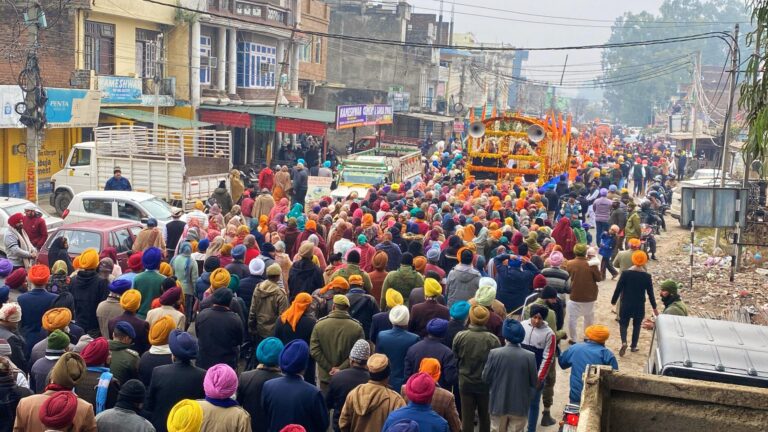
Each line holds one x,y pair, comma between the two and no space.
147,117
427,117
284,112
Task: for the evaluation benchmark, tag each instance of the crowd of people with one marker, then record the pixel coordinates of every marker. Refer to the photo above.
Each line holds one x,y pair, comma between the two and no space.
435,305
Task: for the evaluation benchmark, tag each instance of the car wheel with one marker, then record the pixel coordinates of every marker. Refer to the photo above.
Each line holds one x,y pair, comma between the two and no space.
61,201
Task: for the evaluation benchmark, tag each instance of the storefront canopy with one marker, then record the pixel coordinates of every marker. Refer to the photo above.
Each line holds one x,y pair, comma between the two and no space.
265,119
148,117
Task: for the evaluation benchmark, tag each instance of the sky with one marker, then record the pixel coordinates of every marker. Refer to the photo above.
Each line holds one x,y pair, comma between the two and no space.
502,26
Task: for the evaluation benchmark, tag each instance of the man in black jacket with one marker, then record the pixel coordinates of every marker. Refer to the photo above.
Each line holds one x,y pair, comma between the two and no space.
88,290
219,332
174,382
173,231
251,382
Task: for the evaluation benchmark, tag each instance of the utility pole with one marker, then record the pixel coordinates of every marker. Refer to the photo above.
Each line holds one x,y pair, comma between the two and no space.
553,102
695,81
461,84
728,121
278,91
31,85
157,79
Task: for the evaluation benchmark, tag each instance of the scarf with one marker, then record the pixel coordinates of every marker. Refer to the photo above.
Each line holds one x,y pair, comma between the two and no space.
25,244
102,388
160,349
293,314
224,403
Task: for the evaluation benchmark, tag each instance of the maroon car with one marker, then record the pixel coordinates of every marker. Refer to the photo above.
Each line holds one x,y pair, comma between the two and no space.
98,234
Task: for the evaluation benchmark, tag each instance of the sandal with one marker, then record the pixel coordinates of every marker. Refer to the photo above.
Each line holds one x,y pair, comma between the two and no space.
623,350
635,349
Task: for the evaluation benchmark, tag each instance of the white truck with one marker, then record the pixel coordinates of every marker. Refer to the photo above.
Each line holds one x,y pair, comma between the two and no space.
178,166
387,163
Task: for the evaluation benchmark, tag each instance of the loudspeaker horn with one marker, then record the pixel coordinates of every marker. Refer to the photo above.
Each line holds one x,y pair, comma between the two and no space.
476,130
536,133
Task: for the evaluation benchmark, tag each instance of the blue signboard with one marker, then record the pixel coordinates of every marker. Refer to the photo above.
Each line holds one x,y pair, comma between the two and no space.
120,90
71,108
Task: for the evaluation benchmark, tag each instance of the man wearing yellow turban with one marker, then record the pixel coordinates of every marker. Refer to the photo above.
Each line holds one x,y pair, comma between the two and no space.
430,308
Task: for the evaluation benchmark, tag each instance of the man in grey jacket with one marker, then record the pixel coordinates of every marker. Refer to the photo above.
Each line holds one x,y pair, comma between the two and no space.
18,246
462,282
510,367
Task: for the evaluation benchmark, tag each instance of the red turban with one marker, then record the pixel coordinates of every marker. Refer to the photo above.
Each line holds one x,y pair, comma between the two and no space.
15,219
58,411
16,279
96,352
134,262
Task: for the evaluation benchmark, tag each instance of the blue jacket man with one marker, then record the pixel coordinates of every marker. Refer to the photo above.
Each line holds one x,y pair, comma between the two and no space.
515,280
118,182
395,344
581,355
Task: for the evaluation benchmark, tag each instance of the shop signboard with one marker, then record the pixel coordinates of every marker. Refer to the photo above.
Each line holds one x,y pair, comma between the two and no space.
120,90
351,116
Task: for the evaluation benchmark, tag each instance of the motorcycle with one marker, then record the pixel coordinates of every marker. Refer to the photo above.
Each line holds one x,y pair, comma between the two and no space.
570,421
250,179
647,234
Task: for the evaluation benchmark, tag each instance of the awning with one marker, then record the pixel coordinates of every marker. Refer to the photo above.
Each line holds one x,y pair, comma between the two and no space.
688,136
427,117
328,117
148,117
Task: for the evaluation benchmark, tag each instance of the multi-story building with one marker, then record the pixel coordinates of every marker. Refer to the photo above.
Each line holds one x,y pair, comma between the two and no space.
99,62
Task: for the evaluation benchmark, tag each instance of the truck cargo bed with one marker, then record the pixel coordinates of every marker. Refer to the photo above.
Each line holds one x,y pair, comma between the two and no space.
620,401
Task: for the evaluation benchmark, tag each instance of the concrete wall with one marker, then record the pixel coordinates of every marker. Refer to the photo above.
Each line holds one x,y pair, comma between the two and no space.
375,67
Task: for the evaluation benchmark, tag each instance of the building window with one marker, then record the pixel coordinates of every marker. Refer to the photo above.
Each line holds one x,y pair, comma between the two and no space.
205,54
146,52
318,40
276,15
255,65
100,47
305,51
248,9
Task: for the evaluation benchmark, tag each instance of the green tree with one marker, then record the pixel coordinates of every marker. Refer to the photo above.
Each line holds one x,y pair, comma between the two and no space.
754,87
640,77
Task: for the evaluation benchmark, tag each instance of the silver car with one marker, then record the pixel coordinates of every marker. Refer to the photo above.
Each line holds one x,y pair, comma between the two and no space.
10,206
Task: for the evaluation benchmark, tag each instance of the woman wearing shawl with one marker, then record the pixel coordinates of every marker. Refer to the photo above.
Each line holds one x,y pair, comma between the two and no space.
291,234
448,258
59,280
335,235
371,231
263,226
279,210
309,230
215,247
111,253
58,252
317,252
564,237
297,212
579,232
240,235
186,272
295,323
481,241
532,242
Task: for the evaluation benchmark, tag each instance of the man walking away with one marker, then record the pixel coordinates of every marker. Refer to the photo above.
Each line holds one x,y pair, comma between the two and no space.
510,372
591,352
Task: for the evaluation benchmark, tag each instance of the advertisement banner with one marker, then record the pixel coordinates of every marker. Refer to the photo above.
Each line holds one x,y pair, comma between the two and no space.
400,101
318,187
31,177
120,90
67,108
10,95
350,116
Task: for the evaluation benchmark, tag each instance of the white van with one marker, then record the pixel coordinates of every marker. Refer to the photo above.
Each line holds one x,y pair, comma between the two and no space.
122,205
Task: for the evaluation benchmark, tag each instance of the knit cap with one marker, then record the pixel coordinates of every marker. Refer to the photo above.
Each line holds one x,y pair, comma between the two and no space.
361,351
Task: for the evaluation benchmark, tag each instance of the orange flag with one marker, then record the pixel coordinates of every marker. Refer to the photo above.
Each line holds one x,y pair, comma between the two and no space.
471,115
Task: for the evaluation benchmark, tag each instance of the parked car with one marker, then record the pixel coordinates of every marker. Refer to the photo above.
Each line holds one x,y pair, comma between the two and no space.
97,234
120,205
11,206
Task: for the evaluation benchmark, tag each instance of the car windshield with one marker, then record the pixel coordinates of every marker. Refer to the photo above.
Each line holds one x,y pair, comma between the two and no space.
19,208
361,177
157,208
79,241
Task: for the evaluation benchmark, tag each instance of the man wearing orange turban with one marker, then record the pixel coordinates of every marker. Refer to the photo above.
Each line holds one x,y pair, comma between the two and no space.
130,301
590,352
34,304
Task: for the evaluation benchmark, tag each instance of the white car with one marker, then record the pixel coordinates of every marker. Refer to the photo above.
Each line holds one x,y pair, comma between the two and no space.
122,205
11,206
